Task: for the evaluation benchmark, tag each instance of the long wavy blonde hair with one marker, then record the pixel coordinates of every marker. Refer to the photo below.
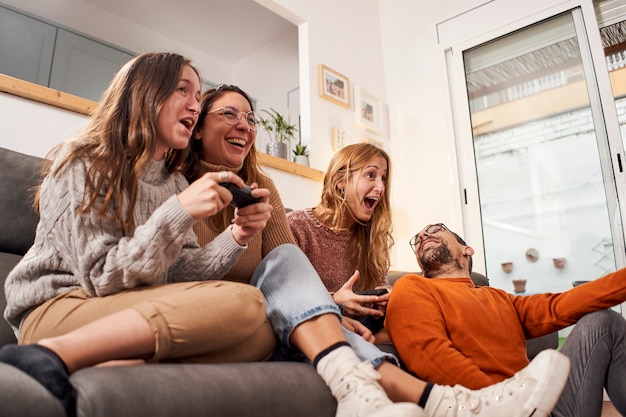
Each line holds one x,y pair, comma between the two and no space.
120,137
371,241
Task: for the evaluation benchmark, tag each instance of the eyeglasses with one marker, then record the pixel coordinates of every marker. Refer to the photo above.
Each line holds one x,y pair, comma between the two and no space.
431,230
232,116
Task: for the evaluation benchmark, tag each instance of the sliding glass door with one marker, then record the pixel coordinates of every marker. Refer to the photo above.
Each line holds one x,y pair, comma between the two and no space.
540,170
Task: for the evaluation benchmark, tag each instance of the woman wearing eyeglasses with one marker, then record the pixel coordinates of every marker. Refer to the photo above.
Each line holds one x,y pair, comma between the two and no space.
224,141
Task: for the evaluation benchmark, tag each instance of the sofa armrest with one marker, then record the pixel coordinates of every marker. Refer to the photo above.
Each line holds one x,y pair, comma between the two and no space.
537,344
7,262
22,396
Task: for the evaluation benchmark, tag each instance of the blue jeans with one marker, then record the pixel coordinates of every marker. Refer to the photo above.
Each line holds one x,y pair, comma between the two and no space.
294,293
598,359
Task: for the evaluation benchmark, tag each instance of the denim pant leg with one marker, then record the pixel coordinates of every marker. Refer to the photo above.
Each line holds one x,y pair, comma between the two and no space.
367,351
294,293
598,359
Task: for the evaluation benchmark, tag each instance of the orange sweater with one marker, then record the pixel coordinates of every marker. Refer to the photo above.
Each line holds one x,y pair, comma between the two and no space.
447,331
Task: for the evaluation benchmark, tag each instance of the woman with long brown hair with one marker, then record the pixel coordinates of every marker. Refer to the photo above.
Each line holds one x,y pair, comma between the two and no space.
116,271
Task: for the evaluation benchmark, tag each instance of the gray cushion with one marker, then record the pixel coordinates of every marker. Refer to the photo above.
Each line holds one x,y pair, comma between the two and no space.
479,279
260,389
22,396
7,262
19,173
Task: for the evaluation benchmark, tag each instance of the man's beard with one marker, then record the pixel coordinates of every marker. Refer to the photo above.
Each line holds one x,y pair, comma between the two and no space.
437,260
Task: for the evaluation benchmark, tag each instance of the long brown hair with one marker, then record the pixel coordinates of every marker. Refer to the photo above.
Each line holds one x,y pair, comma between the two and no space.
120,137
371,241
250,171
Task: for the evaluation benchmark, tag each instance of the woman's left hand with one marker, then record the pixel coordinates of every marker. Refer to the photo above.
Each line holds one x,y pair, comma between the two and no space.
356,305
359,328
252,219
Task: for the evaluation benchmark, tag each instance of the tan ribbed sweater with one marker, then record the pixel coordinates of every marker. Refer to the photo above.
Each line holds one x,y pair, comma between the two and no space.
276,232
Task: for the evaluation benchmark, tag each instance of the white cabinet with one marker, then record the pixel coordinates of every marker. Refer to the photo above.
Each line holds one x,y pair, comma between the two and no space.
26,47
44,54
84,67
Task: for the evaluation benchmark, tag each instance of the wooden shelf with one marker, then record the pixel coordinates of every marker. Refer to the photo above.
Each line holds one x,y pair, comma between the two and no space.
81,105
291,167
46,95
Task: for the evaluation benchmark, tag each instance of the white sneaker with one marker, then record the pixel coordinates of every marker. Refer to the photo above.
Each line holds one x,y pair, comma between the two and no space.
355,386
533,391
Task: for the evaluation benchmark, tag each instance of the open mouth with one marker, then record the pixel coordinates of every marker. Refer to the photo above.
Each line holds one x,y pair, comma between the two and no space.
427,243
241,143
188,122
370,202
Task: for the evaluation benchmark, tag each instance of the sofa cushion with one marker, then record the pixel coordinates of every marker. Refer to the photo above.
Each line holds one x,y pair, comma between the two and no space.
479,279
19,173
260,389
7,262
22,396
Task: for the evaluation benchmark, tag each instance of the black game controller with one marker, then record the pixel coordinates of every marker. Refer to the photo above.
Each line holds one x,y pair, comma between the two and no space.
378,291
241,196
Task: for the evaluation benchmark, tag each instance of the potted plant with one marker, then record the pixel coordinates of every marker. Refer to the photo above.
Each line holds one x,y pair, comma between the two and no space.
280,133
519,285
301,154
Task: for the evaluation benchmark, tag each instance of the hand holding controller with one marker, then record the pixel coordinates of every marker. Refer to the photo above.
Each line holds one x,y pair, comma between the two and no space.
242,197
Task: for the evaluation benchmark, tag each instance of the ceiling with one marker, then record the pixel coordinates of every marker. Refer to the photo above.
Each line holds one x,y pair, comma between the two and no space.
227,29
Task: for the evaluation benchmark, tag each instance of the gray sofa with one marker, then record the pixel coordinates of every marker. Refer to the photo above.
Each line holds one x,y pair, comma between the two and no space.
271,389
246,389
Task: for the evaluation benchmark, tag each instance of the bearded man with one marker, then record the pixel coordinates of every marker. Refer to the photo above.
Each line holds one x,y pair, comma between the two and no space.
448,331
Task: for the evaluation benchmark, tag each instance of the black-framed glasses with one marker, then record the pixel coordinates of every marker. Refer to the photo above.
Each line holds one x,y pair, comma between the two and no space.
431,230
232,116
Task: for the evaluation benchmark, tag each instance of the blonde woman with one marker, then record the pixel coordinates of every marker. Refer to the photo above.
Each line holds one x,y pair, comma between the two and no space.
353,222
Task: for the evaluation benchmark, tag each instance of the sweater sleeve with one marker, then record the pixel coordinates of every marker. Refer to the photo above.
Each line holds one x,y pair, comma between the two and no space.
417,327
541,314
277,231
103,260
212,261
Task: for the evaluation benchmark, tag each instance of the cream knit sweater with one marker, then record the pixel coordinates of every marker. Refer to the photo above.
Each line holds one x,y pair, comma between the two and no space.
83,250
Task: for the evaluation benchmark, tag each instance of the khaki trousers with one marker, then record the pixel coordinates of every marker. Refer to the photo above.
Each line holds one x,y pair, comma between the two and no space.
207,321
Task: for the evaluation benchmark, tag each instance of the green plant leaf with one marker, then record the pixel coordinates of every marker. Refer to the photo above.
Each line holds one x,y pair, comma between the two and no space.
301,150
277,126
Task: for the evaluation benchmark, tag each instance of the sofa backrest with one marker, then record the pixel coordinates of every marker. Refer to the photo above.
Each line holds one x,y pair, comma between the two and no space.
19,173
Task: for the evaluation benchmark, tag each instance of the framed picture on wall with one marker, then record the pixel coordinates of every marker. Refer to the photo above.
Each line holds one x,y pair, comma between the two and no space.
333,86
368,111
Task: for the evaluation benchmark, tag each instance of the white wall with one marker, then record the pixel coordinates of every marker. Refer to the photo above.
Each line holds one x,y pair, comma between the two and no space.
34,128
344,36
422,147
389,48
275,73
